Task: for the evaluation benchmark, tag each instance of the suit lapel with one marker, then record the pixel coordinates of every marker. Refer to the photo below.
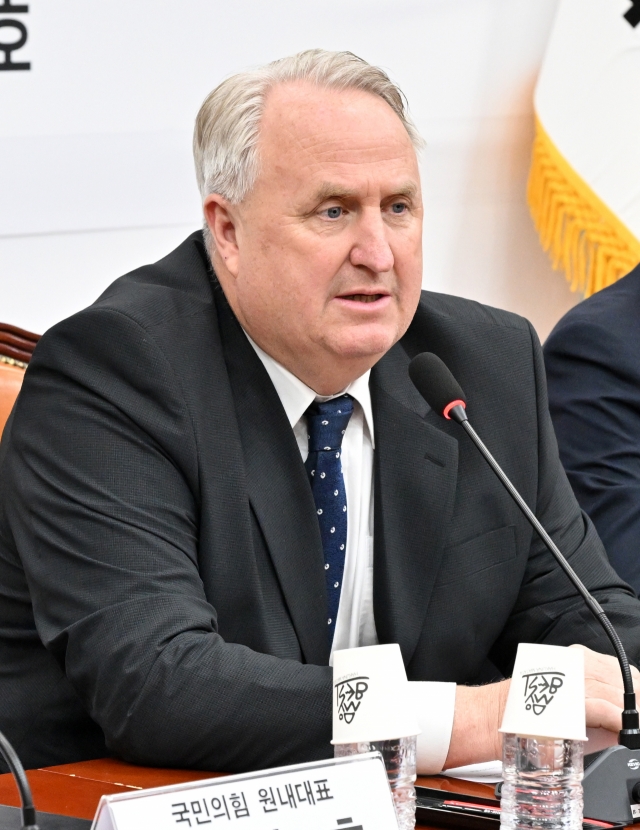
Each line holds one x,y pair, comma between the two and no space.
415,482
278,489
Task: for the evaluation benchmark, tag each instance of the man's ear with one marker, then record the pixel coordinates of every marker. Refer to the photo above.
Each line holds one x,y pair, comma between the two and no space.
221,218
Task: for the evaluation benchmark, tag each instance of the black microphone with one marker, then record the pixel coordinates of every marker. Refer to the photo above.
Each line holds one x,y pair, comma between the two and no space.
17,770
444,395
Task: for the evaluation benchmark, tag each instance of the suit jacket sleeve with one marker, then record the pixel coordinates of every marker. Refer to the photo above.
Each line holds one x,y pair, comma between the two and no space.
548,608
594,397
104,511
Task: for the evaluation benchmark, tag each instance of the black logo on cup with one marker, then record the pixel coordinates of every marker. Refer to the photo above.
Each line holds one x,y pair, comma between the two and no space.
16,33
540,689
349,694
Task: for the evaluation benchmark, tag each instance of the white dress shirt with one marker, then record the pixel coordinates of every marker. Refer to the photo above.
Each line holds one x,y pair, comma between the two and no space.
355,624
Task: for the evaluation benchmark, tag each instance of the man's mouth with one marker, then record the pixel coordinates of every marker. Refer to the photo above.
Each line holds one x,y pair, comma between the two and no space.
362,298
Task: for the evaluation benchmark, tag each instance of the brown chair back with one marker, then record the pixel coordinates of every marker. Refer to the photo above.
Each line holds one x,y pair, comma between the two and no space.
16,348
16,344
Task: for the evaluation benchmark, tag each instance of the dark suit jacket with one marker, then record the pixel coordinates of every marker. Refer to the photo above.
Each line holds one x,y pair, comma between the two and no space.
592,359
161,568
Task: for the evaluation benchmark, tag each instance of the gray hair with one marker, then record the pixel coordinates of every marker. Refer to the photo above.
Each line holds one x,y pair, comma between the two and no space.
225,139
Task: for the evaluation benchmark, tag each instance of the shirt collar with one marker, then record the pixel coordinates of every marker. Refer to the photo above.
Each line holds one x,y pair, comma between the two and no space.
297,397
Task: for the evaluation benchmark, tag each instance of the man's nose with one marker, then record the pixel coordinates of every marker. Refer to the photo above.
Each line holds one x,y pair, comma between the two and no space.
371,247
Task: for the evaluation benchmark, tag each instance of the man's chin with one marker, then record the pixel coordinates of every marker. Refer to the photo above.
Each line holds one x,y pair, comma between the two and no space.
363,346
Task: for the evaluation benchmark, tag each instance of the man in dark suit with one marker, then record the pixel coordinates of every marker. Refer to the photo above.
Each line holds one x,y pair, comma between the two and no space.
171,587
592,359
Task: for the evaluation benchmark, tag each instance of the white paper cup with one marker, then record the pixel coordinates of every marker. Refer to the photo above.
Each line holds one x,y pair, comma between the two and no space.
371,700
546,698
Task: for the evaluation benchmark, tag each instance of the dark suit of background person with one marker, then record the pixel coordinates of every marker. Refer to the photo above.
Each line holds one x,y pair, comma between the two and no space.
161,568
592,360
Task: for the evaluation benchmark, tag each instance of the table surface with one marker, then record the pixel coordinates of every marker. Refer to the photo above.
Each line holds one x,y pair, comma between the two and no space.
75,789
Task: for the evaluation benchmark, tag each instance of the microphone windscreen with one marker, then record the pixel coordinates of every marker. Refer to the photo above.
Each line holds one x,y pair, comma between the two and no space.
434,381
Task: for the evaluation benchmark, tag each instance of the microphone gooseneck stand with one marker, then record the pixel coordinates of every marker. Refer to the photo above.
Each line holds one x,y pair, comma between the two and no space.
17,770
612,777
630,732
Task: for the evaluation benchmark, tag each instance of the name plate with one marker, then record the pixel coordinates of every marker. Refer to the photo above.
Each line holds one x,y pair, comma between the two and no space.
342,794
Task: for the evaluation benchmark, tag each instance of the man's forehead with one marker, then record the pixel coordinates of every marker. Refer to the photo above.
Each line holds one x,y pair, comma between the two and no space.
288,94
327,121
332,138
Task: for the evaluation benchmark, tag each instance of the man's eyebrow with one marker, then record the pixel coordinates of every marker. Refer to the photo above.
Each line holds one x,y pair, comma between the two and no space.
332,191
408,189
327,191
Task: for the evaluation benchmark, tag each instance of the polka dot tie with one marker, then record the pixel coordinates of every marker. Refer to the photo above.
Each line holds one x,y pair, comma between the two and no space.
327,423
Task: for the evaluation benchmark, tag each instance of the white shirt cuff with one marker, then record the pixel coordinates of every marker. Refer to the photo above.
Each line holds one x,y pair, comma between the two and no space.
434,705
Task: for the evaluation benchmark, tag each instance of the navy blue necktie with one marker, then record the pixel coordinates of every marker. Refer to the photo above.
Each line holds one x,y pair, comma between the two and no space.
327,423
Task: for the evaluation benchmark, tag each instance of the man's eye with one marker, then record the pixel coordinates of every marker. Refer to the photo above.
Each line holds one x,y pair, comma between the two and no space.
398,208
334,212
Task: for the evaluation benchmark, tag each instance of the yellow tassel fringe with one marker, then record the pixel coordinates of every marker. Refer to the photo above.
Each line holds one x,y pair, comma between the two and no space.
581,234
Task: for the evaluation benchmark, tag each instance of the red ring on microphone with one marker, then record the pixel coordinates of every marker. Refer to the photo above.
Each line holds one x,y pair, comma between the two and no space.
450,406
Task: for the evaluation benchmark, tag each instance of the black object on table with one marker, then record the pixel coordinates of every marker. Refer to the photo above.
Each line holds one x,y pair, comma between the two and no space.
11,819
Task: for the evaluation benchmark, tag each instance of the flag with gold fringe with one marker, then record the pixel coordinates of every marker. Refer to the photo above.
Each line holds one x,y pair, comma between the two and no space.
584,185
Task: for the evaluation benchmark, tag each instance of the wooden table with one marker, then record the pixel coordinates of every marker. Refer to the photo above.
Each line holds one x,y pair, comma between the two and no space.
75,789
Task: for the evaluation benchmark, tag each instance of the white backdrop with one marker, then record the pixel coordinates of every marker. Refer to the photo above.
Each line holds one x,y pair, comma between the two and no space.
96,175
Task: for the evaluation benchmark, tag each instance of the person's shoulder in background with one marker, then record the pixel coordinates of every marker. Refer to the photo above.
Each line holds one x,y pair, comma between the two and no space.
592,360
611,317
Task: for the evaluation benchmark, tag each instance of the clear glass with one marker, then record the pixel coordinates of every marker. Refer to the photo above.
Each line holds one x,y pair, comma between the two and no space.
399,757
542,786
